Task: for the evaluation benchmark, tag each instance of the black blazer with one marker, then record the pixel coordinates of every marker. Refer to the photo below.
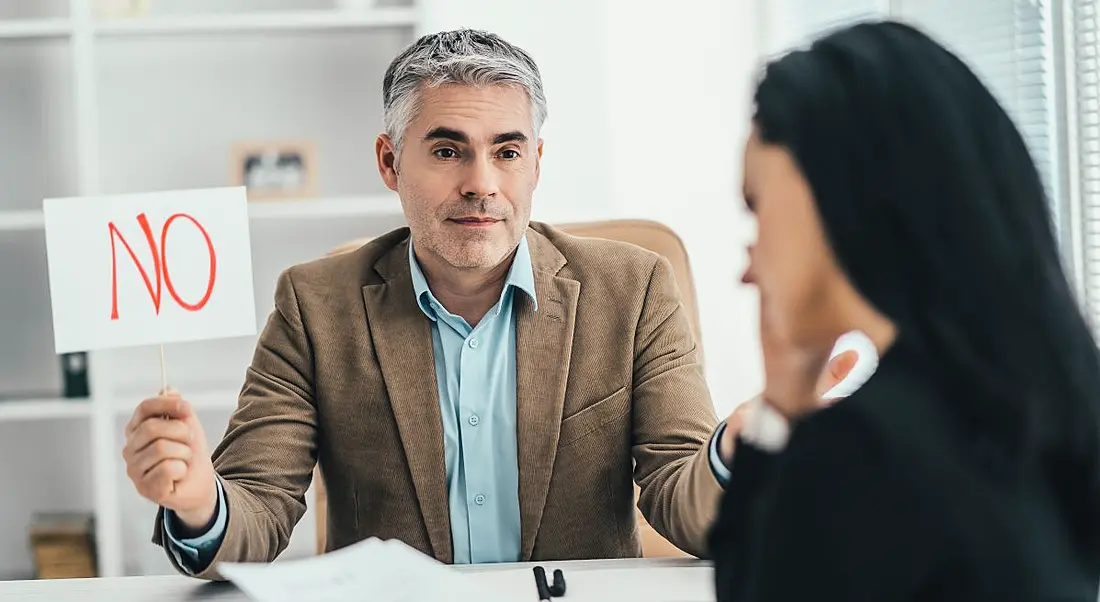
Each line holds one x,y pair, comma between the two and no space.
883,497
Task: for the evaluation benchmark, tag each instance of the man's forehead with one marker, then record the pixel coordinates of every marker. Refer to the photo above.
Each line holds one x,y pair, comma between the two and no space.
475,112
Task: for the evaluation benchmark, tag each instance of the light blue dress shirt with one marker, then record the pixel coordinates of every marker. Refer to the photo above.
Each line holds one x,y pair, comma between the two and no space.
476,372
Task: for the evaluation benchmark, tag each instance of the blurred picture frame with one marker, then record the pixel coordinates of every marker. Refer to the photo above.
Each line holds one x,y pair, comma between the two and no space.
354,4
274,169
119,9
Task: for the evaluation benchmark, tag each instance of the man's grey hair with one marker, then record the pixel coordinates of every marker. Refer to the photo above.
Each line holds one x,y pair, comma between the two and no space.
464,56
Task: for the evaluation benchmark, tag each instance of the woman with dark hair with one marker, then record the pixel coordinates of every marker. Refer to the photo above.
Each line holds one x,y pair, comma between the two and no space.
894,196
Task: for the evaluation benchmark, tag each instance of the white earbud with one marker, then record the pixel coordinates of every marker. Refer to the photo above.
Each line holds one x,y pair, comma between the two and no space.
866,364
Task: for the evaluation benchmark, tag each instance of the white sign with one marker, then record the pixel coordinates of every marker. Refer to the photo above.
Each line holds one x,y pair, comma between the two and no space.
141,269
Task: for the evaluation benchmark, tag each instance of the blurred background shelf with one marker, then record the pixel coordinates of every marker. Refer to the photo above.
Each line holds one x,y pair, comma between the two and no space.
333,207
216,400
29,219
291,210
35,28
22,410
261,22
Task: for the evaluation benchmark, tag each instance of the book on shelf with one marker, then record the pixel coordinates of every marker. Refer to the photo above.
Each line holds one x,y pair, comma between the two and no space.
74,371
63,545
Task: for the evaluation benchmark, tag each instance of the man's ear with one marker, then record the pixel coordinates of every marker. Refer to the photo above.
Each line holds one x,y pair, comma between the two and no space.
538,159
386,156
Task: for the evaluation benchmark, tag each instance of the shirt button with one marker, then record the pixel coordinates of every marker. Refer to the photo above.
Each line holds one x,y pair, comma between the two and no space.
473,343
474,420
479,499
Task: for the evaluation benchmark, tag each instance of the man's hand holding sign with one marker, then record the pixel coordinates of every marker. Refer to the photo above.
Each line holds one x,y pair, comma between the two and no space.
168,459
149,269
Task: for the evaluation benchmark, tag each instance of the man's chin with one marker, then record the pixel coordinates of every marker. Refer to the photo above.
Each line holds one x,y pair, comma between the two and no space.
475,256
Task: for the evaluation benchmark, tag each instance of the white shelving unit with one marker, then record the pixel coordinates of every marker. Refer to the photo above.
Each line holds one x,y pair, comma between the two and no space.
21,410
154,102
275,21
322,208
36,28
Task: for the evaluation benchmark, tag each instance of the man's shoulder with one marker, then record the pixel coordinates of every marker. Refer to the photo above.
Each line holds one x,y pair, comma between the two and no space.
591,256
350,262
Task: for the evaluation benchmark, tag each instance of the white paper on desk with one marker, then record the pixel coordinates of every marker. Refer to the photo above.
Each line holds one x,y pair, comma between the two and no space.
644,584
371,570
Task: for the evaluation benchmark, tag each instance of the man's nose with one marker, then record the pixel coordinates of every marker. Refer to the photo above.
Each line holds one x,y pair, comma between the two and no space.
480,181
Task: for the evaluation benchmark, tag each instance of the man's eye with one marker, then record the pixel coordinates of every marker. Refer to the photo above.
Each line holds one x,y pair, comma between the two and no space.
446,153
510,154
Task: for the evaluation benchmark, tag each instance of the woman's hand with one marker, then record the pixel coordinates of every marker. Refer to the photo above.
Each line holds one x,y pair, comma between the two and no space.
791,374
790,378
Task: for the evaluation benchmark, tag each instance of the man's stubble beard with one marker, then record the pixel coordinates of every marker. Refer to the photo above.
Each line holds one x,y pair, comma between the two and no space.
476,249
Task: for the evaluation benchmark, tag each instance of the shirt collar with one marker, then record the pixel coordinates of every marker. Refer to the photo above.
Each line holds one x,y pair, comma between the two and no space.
521,275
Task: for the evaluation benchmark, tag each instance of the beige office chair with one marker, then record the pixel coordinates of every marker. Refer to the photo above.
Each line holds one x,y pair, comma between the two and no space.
647,234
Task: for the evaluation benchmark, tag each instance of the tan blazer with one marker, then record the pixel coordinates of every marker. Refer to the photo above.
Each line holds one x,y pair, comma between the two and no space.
609,388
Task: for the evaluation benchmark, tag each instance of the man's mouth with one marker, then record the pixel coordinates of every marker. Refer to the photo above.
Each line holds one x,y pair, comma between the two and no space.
474,221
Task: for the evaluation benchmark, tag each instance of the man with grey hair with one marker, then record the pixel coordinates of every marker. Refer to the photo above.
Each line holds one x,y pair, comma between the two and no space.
482,387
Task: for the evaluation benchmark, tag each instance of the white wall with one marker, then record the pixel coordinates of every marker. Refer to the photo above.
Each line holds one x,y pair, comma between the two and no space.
679,100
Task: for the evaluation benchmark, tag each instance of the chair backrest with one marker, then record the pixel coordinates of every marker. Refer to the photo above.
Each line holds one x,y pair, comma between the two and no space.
655,237
647,234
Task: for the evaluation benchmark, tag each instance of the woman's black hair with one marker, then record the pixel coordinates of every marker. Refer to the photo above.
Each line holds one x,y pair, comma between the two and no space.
935,210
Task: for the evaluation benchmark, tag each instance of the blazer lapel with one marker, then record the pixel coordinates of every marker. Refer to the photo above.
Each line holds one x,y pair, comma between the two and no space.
403,342
544,339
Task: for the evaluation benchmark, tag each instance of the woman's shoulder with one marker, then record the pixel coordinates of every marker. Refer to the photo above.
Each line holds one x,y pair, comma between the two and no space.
897,404
894,425
895,441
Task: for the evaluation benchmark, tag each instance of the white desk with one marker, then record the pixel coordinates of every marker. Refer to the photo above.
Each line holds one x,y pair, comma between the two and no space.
667,579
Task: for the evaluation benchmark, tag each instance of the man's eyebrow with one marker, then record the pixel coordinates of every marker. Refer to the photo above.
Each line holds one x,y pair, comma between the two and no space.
510,137
446,133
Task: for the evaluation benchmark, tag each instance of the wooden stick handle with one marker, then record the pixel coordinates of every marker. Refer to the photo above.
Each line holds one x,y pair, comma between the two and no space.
163,372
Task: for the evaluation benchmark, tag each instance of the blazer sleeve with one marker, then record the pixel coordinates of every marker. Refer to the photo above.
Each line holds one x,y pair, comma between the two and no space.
829,518
674,420
266,458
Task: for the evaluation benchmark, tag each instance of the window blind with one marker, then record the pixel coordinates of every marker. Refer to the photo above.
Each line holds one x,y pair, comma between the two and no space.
1009,45
1085,118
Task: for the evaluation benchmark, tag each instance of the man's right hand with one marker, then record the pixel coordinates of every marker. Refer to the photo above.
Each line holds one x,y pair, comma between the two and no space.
168,461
